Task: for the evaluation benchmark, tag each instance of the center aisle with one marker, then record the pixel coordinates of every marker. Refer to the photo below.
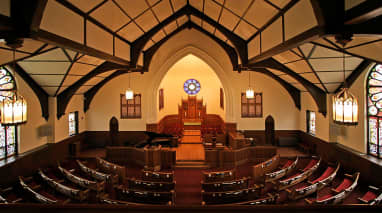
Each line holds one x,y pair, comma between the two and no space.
188,186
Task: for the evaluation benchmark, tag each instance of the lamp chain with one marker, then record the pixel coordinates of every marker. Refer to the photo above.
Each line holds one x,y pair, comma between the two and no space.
343,64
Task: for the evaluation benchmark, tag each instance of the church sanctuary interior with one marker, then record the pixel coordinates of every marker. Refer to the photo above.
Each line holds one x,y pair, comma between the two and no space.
190,106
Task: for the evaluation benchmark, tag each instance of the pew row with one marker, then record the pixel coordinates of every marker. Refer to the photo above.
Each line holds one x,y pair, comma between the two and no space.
219,176
268,199
315,185
259,170
287,168
233,185
311,167
76,194
35,195
158,176
108,178
144,185
372,197
338,194
230,196
3,200
106,200
148,197
111,168
85,183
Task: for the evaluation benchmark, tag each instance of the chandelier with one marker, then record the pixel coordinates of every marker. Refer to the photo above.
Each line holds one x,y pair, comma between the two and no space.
14,108
345,104
129,94
249,93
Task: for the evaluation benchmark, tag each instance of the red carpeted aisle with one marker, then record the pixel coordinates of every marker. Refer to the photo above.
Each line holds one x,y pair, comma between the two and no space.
188,186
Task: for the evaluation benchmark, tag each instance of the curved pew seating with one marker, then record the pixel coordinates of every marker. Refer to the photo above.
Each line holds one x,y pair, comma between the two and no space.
237,184
372,197
105,200
133,183
148,197
285,170
230,196
85,183
259,170
219,176
65,190
315,185
111,168
311,167
158,176
269,199
3,200
97,175
34,195
338,194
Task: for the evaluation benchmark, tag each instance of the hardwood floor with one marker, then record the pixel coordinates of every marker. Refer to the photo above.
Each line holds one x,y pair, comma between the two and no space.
188,152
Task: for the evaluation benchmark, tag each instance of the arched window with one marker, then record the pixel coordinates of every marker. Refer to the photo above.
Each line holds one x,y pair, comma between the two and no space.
8,134
374,111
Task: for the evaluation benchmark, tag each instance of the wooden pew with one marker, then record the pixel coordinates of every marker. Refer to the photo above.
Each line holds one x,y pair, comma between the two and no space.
230,196
145,185
287,168
311,167
219,176
106,200
259,170
158,176
372,197
34,195
108,178
233,185
269,199
111,168
65,190
93,185
338,194
3,200
315,185
148,197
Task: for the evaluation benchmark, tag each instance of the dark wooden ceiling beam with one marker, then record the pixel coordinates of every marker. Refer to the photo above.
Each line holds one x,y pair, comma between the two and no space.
239,43
294,42
64,97
149,53
89,95
363,12
62,42
293,91
318,94
355,74
39,92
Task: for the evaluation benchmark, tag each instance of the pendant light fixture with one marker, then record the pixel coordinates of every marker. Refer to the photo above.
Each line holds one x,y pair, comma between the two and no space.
345,104
129,92
249,93
13,109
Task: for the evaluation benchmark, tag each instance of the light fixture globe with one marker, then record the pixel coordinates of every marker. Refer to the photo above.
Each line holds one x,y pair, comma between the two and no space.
250,93
129,94
345,108
13,110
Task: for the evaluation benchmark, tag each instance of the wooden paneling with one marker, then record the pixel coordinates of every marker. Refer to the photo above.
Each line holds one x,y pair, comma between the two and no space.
259,135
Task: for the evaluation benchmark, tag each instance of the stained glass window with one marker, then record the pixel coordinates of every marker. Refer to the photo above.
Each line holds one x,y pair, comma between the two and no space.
131,109
8,139
252,107
191,86
374,111
311,122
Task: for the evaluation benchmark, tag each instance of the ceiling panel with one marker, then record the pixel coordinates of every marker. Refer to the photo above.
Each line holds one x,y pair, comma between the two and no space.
276,72
196,20
83,89
197,4
50,90
71,79
7,56
325,52
170,27
93,81
299,66
310,77
131,32
148,44
299,86
147,20
280,3
288,79
334,64
162,10
106,74
182,20
90,60
330,77
139,7
324,42
110,15
178,4
260,13
372,51
80,69
357,40
306,48
29,45
208,27
238,7
245,30
85,5
212,9
158,36
220,35
332,87
54,55
45,67
48,80
152,2
286,57
62,88
228,19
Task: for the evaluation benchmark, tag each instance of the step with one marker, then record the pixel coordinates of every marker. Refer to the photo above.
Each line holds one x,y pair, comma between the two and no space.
191,132
191,164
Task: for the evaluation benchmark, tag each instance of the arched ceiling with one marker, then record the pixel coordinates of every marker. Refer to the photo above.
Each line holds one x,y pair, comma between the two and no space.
65,41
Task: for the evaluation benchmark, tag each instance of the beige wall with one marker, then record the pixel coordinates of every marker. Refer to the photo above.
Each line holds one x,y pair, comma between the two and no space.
277,101
172,84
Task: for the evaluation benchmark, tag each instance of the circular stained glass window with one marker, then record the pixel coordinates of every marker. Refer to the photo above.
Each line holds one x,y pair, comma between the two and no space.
191,86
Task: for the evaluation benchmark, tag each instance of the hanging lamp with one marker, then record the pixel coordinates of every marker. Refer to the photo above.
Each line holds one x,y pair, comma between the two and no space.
13,109
345,104
249,93
129,94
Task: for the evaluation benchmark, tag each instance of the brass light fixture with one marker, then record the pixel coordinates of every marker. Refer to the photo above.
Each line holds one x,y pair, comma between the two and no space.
249,93
345,104
129,94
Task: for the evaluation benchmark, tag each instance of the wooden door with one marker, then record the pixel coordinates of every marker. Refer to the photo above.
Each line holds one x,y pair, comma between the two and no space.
270,130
